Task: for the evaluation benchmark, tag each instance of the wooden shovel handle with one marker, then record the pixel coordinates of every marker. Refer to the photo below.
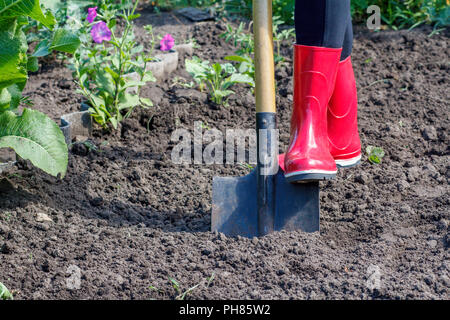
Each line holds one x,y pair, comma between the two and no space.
264,64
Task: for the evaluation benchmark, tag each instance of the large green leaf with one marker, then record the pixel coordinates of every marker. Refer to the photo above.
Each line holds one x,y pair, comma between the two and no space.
35,137
241,78
31,8
13,59
65,40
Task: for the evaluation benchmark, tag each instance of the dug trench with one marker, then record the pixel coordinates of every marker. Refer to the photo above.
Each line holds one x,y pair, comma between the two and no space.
125,219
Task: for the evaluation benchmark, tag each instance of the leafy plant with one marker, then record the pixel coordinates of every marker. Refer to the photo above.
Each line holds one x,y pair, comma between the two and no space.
4,293
246,65
279,35
240,39
112,70
217,78
374,154
32,135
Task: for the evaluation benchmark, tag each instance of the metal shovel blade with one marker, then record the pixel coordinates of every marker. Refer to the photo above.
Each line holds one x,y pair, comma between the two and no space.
234,208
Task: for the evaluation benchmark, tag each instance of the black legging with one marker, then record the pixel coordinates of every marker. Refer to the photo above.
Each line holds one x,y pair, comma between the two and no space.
324,23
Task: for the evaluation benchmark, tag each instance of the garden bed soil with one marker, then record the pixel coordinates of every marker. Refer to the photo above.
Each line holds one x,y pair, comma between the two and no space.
125,218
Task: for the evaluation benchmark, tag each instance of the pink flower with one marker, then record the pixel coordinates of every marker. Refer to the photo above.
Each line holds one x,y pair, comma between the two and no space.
92,13
167,43
100,32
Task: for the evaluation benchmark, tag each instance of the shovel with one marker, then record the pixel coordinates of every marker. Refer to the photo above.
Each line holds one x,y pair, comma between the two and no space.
263,201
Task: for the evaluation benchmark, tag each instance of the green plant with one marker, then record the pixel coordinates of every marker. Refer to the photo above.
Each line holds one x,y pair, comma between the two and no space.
108,73
217,78
32,134
4,293
374,154
246,65
181,295
240,39
279,35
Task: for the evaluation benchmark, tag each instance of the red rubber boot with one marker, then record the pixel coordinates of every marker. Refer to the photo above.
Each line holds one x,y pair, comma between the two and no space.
343,136
308,157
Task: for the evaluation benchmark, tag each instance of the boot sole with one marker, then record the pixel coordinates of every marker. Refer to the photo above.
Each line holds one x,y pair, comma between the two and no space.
349,163
309,176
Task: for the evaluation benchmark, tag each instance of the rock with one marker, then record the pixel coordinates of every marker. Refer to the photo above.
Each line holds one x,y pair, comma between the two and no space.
42,217
429,133
432,243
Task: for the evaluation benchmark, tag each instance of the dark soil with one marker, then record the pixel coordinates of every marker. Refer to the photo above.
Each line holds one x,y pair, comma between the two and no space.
125,218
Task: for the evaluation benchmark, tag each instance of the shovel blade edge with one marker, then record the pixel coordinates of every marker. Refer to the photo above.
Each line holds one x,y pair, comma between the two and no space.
234,207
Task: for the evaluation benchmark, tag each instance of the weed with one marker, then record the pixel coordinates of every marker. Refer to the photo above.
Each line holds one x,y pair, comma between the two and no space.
240,39
374,154
217,78
181,295
4,293
279,35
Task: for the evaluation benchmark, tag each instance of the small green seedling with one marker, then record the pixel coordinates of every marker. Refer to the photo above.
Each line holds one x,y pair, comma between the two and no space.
374,154
4,293
210,279
175,284
239,38
182,295
217,78
280,35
